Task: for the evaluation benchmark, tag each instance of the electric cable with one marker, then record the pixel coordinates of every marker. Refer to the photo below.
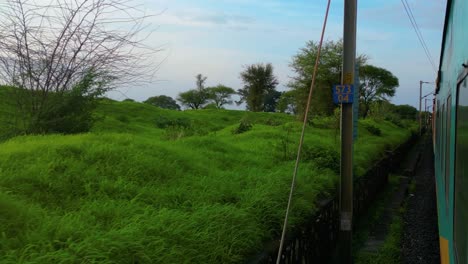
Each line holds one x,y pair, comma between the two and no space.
301,140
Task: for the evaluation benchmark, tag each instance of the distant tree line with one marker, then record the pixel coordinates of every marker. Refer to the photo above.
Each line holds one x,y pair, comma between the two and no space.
259,92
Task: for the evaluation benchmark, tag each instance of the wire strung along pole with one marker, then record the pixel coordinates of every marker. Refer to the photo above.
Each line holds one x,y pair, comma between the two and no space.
346,182
301,140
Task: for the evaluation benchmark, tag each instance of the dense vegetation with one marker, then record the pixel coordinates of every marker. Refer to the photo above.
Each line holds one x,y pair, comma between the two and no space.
150,185
90,180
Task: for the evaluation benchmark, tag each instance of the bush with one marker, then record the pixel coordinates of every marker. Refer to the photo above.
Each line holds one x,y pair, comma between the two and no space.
67,112
272,122
323,157
123,118
372,129
244,126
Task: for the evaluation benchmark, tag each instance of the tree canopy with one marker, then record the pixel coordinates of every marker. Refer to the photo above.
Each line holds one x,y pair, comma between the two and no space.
287,102
406,111
163,101
220,95
375,84
195,98
328,74
259,83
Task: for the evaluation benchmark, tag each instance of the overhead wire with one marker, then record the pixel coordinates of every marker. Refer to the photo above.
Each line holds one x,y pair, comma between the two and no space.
417,30
301,140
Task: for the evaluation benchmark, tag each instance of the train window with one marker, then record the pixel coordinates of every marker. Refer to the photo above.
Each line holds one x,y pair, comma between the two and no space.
447,155
461,175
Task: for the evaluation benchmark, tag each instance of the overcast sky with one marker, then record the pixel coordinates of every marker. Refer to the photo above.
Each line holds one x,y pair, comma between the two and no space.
218,37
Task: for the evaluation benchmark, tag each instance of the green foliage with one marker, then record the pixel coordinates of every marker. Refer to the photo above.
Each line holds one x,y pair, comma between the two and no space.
390,251
287,102
284,147
129,100
163,101
67,111
271,100
220,95
196,98
193,99
244,125
401,116
123,118
163,187
372,128
406,112
164,122
323,157
211,106
376,84
259,91
328,74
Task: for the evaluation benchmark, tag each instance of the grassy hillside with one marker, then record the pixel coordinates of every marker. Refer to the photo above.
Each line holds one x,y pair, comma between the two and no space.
148,185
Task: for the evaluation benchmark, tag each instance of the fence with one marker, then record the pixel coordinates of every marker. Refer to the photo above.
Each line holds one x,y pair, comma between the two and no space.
316,240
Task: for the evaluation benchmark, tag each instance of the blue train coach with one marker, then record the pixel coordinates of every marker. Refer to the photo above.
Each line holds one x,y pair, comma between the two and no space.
451,135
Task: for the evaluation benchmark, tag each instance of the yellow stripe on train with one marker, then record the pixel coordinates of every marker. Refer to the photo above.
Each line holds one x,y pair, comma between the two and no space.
444,251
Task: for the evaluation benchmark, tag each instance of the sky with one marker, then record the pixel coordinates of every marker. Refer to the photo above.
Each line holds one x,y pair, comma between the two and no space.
217,38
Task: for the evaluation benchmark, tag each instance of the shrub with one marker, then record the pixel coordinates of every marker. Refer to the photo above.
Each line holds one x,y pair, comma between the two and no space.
323,157
272,122
67,112
244,126
372,129
123,118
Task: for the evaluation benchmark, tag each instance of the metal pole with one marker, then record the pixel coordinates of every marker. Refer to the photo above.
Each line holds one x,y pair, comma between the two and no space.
346,188
425,113
420,113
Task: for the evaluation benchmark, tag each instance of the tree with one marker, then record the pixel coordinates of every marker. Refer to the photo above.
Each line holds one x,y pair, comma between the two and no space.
196,98
328,74
163,101
271,101
259,81
200,82
406,111
220,95
193,99
287,102
68,53
376,84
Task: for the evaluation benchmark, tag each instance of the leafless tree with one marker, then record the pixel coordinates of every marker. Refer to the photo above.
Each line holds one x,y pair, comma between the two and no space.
48,48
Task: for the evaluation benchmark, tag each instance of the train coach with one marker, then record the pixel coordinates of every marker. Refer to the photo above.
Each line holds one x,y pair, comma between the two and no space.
451,135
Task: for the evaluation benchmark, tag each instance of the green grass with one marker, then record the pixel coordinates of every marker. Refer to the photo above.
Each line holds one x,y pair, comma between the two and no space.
389,252
148,185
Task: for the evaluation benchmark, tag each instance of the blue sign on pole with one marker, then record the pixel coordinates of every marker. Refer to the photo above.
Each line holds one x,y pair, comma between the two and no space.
343,94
